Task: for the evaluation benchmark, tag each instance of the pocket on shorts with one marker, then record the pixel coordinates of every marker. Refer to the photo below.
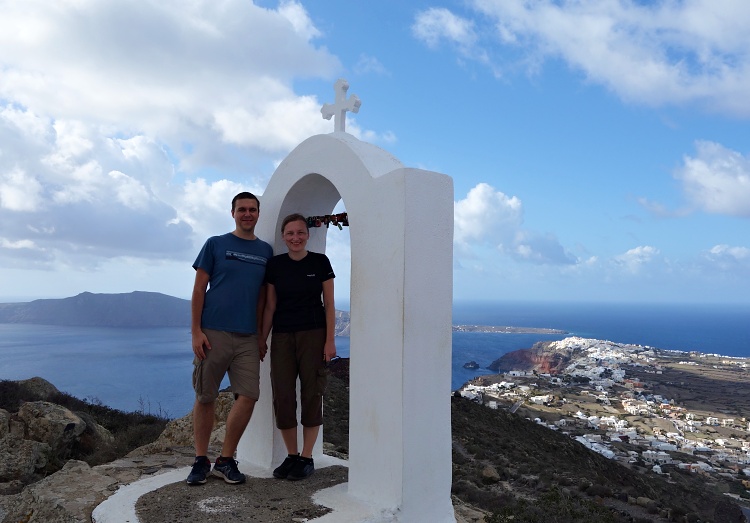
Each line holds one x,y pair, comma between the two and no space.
198,376
322,381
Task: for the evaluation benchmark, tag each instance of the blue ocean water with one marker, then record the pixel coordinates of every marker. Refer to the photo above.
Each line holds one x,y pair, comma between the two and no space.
150,369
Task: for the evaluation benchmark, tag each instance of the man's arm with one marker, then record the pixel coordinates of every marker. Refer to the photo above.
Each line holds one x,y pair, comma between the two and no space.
259,310
200,342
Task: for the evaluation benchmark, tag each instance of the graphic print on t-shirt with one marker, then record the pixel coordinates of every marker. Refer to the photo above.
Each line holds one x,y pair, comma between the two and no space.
244,257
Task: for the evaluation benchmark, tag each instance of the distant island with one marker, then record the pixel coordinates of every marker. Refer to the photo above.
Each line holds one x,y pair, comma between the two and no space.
506,330
134,309
153,309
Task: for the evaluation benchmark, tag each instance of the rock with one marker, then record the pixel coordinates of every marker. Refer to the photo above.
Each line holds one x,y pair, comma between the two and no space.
37,440
542,357
179,432
466,513
51,424
21,462
71,494
490,475
729,512
4,423
40,387
643,501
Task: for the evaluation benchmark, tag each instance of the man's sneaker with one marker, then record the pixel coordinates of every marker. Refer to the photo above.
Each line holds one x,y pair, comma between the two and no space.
303,468
199,472
226,468
282,471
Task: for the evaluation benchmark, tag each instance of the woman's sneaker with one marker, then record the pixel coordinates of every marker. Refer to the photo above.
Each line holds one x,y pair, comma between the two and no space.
282,471
199,472
226,468
302,469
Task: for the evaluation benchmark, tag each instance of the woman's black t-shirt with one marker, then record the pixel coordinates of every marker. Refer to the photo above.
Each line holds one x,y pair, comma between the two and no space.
298,286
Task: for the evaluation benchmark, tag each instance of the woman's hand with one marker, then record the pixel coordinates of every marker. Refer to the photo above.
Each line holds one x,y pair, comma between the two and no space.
329,351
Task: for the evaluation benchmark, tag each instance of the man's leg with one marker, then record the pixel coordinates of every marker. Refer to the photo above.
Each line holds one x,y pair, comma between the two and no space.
203,424
237,420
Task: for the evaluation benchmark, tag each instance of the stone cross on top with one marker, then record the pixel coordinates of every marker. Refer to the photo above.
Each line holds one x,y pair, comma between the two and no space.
339,108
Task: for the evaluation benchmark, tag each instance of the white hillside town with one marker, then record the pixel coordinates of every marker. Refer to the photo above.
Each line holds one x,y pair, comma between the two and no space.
604,400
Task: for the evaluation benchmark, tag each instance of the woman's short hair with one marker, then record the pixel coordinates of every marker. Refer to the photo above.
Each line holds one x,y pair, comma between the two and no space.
293,218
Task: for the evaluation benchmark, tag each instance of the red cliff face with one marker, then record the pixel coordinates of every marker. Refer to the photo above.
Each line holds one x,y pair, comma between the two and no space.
542,357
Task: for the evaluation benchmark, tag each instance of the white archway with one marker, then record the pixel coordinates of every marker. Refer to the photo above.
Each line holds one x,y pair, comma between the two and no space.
401,229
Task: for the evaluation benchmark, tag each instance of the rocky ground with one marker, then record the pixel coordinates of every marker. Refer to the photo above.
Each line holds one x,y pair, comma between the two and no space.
71,494
505,469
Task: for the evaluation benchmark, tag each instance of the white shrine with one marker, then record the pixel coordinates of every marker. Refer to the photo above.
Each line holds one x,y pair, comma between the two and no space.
401,230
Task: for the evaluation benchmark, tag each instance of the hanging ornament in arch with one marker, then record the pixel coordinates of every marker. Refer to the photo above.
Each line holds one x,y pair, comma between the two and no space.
340,220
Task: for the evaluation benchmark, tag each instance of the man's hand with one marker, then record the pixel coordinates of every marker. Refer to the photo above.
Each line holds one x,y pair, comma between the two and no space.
200,345
262,348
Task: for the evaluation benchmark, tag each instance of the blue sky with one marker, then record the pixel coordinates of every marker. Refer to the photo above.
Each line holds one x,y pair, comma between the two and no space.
600,150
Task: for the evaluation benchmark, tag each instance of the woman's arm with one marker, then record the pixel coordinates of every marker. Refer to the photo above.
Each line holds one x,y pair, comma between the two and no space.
267,318
329,350
268,311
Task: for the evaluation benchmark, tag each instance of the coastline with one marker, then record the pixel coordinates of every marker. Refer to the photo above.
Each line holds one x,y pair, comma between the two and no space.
506,329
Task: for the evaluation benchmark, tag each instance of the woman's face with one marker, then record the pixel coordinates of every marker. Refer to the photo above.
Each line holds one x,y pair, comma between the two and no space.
295,236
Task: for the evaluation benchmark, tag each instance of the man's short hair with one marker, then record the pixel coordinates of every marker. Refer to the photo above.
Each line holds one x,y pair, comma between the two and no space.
245,196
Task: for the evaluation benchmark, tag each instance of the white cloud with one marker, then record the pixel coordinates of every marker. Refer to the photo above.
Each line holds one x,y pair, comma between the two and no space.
369,64
717,180
729,259
489,217
297,16
120,123
637,259
19,191
436,23
486,215
166,69
656,53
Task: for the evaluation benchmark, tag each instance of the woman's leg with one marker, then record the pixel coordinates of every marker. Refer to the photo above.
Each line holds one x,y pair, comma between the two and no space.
313,381
309,436
284,384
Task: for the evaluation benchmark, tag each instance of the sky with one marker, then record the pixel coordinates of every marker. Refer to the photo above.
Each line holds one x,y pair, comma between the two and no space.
599,149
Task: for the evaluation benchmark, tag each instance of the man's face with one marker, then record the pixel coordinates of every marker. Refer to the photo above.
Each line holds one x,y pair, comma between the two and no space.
245,214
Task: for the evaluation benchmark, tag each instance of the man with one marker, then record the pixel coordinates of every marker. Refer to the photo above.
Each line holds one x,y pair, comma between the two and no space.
227,304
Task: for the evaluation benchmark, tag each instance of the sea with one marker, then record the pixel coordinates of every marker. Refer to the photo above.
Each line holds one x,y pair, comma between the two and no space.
149,370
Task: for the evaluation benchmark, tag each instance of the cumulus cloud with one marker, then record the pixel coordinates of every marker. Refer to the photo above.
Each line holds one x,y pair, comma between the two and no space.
367,64
637,259
729,259
653,53
717,180
489,217
115,119
437,24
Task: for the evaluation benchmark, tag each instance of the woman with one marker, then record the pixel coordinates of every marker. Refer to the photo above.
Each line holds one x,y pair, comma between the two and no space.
302,343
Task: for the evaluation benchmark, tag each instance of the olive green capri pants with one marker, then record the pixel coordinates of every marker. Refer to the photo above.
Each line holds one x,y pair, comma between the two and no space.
300,354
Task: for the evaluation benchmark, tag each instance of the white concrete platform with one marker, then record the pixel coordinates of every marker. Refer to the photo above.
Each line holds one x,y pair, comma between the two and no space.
120,507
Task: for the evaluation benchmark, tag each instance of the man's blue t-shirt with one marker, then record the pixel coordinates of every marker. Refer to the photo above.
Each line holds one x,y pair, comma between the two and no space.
236,268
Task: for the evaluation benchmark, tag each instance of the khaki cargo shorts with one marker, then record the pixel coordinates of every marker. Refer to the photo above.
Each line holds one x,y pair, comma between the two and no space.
231,353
